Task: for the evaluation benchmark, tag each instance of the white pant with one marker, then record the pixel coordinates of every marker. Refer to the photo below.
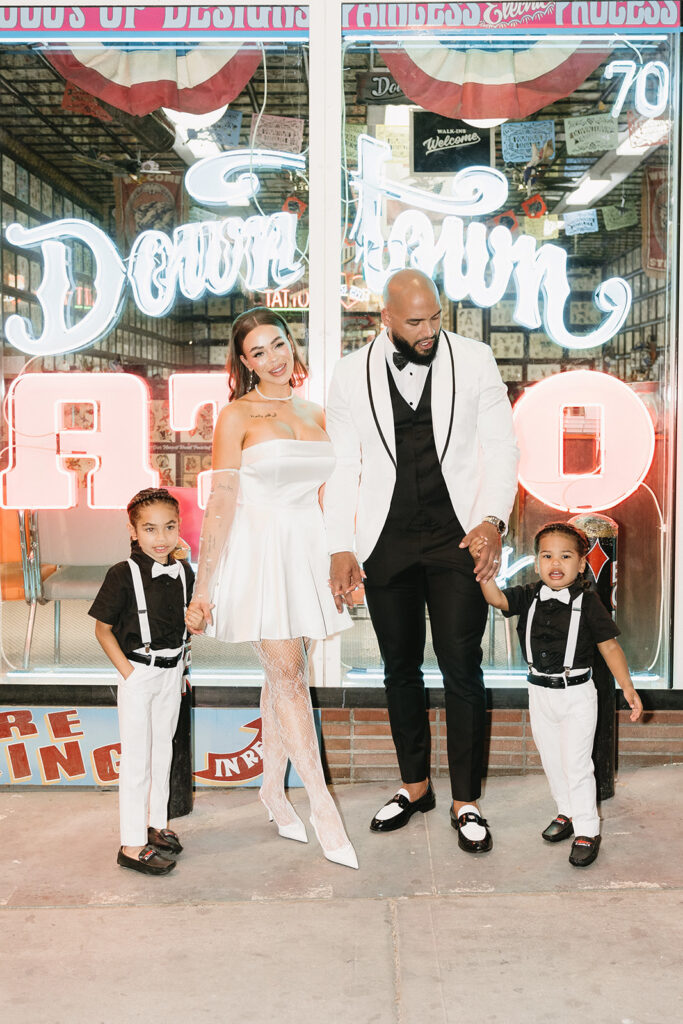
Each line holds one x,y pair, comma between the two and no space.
148,703
563,726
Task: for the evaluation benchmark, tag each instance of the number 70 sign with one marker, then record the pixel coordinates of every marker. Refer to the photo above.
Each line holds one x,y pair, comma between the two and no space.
654,70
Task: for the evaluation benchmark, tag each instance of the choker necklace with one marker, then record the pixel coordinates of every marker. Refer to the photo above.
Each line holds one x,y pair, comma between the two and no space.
267,398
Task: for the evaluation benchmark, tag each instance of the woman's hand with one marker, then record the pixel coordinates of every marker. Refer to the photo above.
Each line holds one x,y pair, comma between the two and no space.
197,616
346,577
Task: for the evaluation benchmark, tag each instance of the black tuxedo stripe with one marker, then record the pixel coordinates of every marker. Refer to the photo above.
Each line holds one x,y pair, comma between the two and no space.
372,406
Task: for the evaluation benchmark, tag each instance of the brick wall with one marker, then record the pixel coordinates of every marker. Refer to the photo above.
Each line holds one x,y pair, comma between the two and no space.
658,739
358,745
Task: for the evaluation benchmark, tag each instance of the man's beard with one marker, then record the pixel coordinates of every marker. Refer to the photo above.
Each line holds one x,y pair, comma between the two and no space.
406,349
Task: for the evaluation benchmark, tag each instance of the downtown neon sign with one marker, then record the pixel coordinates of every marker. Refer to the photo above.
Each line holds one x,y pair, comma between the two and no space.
214,256
474,265
260,252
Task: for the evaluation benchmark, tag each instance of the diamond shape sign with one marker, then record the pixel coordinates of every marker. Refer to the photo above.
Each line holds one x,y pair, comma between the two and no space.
597,559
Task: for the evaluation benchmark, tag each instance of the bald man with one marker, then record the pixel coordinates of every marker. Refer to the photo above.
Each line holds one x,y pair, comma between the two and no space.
426,462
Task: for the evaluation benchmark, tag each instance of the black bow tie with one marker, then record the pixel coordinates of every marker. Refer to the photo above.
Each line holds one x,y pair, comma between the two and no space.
400,361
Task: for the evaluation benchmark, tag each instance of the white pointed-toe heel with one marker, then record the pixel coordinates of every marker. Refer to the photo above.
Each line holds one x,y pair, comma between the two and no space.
296,830
344,855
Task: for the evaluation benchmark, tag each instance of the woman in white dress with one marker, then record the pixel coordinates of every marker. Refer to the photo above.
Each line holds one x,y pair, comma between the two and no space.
262,574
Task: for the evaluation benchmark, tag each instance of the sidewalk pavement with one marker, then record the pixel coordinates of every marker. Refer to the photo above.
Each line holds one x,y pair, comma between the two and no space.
254,929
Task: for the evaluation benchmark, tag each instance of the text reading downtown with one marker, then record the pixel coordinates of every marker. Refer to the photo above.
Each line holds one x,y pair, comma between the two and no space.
260,251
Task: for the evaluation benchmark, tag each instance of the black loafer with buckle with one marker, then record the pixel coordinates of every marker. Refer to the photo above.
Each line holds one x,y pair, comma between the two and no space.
559,828
471,845
163,839
149,861
406,809
584,851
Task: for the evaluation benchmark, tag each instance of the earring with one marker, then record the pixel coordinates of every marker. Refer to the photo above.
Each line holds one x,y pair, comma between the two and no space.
252,380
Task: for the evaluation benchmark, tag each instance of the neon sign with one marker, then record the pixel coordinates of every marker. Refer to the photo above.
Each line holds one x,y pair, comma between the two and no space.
625,438
119,443
57,288
474,266
640,75
211,256
187,393
39,442
510,568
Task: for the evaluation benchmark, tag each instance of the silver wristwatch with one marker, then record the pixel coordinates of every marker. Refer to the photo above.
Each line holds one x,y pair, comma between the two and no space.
495,521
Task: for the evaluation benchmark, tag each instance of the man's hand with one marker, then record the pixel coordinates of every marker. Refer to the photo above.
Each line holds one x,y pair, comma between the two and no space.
345,576
198,614
488,541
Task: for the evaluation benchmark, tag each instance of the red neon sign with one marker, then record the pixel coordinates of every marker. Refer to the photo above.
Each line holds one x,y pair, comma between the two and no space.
117,440
187,393
115,435
625,438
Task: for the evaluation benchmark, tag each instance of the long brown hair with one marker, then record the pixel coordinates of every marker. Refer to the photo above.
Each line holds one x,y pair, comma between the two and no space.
238,374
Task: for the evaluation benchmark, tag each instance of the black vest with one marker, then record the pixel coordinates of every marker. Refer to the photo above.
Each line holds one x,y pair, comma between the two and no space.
420,500
421,527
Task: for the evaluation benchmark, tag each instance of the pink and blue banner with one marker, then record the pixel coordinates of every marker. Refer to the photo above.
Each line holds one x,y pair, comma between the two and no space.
72,746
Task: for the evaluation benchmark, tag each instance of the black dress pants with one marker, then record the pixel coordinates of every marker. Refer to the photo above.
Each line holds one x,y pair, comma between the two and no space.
457,612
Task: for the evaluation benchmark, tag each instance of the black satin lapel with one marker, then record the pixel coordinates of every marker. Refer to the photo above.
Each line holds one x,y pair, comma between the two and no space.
453,399
372,406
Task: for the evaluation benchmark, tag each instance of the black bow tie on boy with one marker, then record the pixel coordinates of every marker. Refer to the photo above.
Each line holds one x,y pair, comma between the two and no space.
400,361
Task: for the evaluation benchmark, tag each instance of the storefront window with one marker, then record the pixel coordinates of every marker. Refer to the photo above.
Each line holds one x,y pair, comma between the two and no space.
530,167
127,265
559,252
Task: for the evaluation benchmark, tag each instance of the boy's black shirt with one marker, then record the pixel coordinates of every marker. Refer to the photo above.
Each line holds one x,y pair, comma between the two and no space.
551,626
115,604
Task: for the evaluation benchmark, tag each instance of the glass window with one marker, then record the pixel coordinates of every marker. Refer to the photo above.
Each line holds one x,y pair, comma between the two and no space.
120,176
565,266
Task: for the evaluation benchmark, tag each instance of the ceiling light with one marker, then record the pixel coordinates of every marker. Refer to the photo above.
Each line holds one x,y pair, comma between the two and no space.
609,171
397,115
191,149
484,122
180,118
589,190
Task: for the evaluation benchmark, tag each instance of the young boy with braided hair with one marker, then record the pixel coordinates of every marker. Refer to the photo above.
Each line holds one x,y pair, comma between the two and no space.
140,626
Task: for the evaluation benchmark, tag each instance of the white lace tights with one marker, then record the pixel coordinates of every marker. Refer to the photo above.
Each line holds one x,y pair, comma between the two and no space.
289,732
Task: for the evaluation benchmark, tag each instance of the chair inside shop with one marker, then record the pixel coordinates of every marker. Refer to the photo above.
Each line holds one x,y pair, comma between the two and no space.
16,576
83,543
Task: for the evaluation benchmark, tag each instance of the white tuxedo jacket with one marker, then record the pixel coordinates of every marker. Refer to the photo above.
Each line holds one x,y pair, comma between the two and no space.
473,431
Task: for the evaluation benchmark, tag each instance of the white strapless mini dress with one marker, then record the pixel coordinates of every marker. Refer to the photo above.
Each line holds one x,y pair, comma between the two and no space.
272,580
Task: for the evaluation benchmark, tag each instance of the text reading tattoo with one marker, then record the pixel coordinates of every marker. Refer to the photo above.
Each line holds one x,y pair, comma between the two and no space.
262,415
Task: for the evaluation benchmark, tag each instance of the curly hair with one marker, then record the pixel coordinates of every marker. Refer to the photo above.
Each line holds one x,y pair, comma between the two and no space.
578,536
238,374
144,498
